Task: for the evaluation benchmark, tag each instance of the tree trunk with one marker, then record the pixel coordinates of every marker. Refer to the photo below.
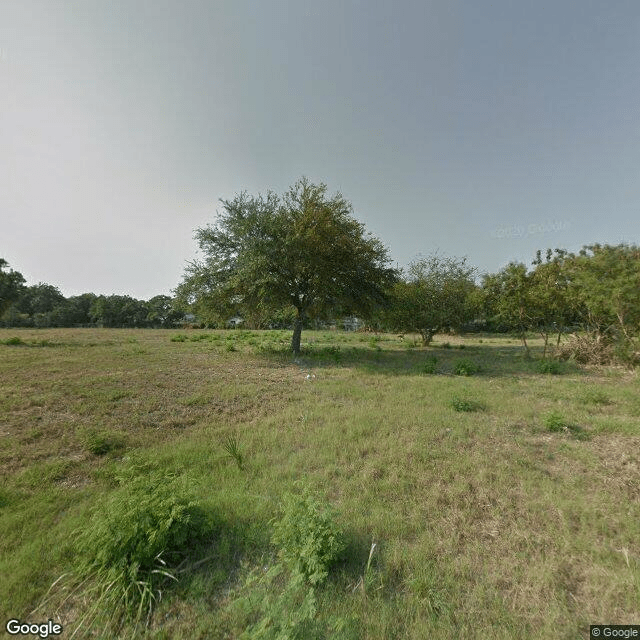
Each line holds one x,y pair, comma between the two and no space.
427,337
527,353
545,337
297,333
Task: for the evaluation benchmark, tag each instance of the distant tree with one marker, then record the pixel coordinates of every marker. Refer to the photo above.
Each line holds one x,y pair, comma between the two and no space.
119,311
11,285
510,300
606,282
553,295
162,312
73,311
38,301
435,296
303,251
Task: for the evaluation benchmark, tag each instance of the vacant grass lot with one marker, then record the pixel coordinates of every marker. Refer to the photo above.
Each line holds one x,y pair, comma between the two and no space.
503,502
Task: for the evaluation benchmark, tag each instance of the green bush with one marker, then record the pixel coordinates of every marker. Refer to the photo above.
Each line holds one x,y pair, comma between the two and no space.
465,368
124,553
307,538
283,596
179,338
429,366
552,367
555,421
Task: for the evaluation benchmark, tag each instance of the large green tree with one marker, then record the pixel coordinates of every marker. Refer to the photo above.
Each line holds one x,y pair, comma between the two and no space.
553,300
11,285
509,299
435,296
303,250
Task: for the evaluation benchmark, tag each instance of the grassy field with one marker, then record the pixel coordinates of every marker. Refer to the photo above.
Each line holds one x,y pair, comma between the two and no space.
502,494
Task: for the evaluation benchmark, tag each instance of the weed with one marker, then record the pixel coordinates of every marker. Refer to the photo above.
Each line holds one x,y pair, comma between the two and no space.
308,543
99,443
232,446
446,345
552,367
464,405
179,338
555,421
308,539
230,347
465,368
596,396
14,342
122,554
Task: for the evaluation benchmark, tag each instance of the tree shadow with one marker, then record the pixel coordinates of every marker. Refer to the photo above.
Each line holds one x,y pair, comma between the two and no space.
484,360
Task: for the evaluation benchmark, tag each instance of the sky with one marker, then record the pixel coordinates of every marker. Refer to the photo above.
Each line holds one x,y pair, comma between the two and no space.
478,129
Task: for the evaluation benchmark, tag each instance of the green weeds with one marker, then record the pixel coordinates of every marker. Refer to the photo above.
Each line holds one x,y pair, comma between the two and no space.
466,405
430,365
555,422
124,555
465,368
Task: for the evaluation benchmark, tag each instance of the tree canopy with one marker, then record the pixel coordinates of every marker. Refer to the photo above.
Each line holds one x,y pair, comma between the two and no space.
303,250
11,285
435,296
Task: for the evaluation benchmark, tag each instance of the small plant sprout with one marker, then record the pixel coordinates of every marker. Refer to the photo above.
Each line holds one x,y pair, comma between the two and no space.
232,446
364,580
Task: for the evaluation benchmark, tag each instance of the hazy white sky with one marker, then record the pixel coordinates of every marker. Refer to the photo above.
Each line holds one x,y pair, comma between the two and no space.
485,129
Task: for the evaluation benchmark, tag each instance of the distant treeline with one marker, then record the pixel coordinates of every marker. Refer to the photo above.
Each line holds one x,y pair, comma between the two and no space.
43,305
594,294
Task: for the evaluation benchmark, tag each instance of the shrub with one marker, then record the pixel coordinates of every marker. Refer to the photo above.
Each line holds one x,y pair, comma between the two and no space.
429,366
133,533
283,598
465,368
552,367
308,539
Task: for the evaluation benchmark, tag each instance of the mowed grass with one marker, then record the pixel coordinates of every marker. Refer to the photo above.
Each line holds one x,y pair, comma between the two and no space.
503,502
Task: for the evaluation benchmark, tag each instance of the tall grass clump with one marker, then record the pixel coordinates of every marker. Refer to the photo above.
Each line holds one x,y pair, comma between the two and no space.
99,443
125,554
